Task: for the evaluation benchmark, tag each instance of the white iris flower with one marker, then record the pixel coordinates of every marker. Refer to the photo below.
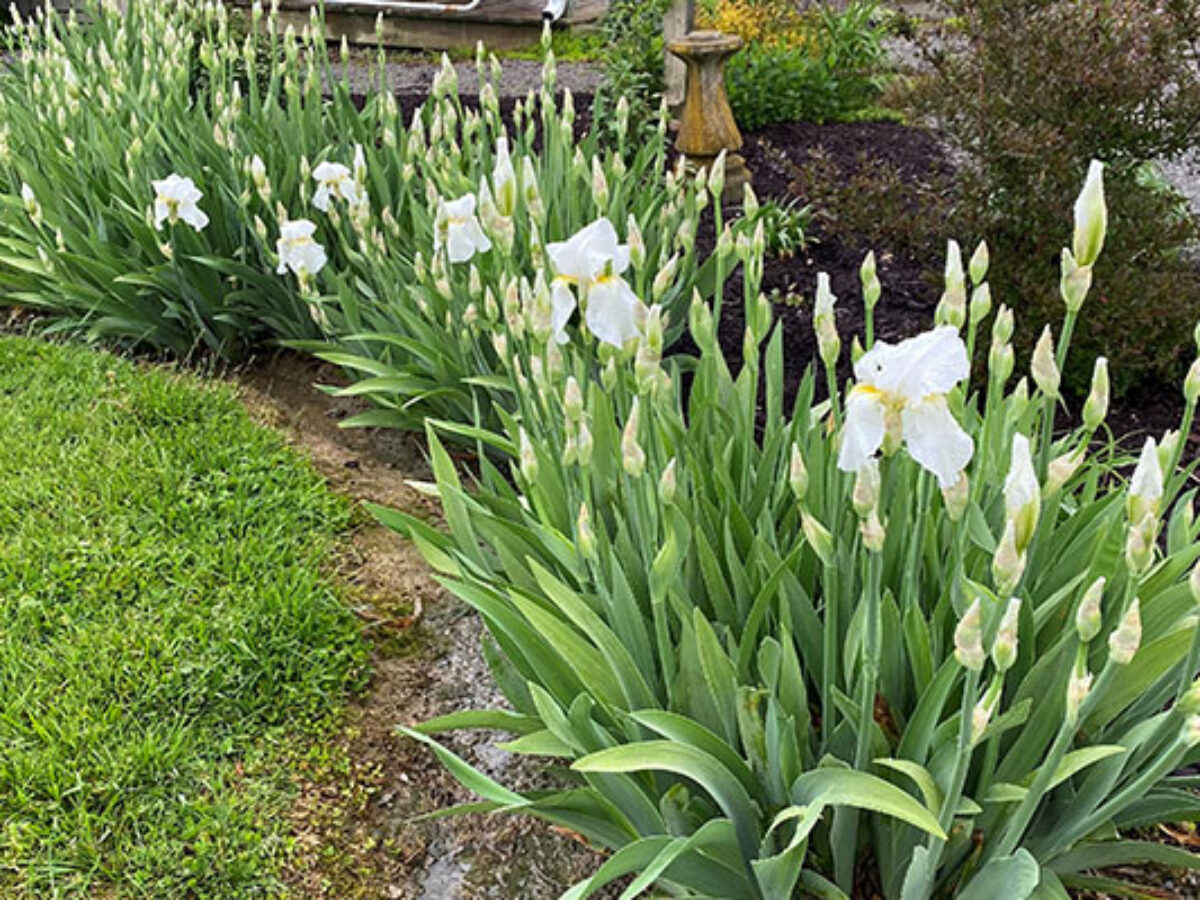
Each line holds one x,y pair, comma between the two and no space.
176,200
297,249
457,229
593,261
901,395
334,181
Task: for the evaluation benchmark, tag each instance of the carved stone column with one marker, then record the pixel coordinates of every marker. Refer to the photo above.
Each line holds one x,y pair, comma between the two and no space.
706,125
677,22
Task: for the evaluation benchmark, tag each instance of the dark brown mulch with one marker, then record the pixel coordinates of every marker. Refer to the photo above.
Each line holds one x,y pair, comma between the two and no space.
909,293
911,285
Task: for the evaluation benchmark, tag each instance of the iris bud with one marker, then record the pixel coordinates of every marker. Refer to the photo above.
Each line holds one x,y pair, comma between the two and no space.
1091,217
980,261
1123,643
1096,406
1045,369
956,497
798,475
1008,564
968,639
1088,618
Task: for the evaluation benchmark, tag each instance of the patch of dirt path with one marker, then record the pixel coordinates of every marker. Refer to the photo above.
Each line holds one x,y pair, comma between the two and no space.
352,822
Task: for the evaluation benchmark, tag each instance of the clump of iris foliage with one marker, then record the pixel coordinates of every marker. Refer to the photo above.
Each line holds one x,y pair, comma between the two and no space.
913,632
167,629
294,207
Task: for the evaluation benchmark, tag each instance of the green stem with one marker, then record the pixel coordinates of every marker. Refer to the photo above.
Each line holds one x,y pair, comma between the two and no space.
936,846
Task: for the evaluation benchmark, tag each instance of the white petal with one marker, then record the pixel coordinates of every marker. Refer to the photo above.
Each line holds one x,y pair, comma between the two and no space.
297,230
562,305
321,198
936,440
460,243
161,213
930,363
612,311
194,216
309,258
862,435
462,208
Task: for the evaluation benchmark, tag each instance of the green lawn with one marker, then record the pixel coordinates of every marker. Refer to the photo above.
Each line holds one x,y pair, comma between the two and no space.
169,632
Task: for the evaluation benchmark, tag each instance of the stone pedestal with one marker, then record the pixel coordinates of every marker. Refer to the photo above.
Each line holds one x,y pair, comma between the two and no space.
677,23
706,125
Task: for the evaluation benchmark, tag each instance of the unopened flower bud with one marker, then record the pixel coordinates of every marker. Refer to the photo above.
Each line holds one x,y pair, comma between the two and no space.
1078,687
866,488
956,497
665,278
1002,327
570,453
1088,617
637,244
716,178
700,322
798,475
529,462
968,639
725,242
869,275
981,303
1124,642
1191,384
633,457
1008,563
1191,731
982,714
1044,368
1062,467
1146,485
1139,545
1001,361
1189,703
1168,446
980,261
1004,650
585,537
952,310
750,205
668,484
573,399
1095,408
599,184
1022,494
874,535
1091,217
1075,282
1194,584
586,445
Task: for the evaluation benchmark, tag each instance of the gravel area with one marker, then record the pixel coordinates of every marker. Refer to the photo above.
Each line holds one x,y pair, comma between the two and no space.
519,77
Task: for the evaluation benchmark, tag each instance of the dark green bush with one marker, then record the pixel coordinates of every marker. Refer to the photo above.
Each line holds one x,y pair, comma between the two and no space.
1030,91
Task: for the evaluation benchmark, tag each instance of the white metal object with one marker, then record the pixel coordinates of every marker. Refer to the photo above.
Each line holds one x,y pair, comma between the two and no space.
555,10
406,6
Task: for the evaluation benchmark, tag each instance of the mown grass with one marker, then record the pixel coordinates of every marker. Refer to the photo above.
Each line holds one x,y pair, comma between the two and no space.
169,632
